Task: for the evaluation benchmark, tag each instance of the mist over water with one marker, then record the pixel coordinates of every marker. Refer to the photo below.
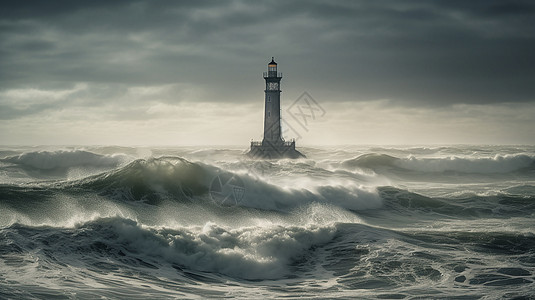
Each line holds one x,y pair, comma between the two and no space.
192,222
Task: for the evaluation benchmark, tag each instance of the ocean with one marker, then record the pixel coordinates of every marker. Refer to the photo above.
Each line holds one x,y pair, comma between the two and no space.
347,222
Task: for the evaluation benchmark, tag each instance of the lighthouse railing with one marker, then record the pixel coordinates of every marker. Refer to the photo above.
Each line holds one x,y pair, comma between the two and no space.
285,143
289,144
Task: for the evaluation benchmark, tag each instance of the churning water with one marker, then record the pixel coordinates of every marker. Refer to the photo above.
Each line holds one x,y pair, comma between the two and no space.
347,222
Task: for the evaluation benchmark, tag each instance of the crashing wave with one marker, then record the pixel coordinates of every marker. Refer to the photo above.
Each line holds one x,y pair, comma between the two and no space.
482,165
146,178
156,181
61,159
247,252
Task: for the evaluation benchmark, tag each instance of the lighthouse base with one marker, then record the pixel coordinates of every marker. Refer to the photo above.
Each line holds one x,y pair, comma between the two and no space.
274,150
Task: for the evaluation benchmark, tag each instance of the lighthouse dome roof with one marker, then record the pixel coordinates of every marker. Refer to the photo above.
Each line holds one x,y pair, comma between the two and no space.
272,61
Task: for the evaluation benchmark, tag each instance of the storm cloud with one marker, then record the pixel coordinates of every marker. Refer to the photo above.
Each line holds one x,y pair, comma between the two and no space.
120,58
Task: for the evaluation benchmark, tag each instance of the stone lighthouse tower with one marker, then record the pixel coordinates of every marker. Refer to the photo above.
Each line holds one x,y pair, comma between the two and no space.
273,145
272,117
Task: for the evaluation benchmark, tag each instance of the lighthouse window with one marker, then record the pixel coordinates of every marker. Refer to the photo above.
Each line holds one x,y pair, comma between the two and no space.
269,114
269,99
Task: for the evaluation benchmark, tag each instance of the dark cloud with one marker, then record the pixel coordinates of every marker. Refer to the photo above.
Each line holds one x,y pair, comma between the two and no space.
424,52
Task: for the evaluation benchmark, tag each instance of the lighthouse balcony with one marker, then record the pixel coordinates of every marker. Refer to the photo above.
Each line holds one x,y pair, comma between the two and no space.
267,150
273,144
274,150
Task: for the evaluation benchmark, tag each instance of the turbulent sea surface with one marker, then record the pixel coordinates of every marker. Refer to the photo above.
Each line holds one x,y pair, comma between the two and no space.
346,222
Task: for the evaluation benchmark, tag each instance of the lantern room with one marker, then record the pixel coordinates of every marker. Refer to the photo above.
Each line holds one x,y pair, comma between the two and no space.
272,68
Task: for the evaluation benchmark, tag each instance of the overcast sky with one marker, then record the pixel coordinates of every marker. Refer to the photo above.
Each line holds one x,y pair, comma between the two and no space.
190,72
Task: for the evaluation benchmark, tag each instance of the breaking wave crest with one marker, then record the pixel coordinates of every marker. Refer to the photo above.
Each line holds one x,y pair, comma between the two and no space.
159,181
247,252
61,159
483,165
150,179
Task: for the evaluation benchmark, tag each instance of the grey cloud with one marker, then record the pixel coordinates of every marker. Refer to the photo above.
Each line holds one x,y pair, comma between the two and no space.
10,113
413,52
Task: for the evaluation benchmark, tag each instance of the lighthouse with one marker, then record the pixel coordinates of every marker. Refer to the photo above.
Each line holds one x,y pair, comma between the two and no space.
273,145
272,104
